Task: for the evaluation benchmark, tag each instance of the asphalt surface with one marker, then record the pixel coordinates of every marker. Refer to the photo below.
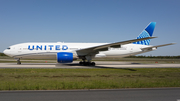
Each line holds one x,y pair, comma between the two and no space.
150,94
99,64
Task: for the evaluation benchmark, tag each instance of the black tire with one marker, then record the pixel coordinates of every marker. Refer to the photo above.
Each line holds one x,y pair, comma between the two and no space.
81,63
93,64
86,63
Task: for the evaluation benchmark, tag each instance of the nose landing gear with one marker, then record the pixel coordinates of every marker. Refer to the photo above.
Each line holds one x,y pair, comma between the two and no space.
18,61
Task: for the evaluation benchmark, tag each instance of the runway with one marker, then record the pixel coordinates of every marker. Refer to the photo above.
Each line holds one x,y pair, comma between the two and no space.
147,94
99,64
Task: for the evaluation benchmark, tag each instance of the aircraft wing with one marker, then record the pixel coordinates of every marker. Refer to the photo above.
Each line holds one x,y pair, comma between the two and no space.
96,49
155,47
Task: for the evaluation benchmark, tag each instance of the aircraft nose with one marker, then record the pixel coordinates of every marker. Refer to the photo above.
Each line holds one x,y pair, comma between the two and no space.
5,51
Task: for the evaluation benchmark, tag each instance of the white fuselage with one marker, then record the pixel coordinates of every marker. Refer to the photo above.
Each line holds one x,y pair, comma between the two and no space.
50,50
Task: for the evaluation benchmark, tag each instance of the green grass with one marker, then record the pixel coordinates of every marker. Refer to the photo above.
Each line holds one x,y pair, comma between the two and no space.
58,79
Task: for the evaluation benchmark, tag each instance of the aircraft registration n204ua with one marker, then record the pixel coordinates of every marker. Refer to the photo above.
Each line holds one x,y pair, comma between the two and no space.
67,52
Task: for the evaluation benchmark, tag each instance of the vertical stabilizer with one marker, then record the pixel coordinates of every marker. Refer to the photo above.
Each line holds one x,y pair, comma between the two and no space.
147,32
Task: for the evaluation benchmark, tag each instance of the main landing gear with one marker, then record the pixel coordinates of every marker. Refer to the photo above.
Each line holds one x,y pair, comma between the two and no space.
87,63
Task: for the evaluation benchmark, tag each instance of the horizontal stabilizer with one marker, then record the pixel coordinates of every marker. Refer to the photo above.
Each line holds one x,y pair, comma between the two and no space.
148,48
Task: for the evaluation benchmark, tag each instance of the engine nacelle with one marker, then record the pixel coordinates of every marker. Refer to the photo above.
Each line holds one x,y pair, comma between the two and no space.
64,57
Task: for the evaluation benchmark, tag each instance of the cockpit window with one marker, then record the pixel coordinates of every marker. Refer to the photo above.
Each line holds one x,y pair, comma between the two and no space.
8,48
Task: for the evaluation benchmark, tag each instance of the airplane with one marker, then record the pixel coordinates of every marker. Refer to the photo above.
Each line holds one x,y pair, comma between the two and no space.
68,52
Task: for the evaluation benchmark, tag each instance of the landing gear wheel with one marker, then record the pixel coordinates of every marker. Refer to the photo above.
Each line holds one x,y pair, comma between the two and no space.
81,63
87,63
93,64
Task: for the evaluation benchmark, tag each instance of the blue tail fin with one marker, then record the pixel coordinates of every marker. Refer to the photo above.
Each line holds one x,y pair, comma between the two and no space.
147,32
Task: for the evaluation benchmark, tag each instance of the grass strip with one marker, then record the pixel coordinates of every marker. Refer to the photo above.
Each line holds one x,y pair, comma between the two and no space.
62,79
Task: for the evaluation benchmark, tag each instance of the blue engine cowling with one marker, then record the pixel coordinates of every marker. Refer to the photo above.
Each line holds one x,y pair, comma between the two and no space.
64,57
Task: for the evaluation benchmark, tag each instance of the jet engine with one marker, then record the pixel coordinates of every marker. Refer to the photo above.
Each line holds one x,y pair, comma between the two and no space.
64,57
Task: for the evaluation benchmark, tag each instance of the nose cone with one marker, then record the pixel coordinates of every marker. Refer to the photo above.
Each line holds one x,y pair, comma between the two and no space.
7,52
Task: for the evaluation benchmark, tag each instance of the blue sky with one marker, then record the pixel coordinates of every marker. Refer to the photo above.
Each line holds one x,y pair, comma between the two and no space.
89,21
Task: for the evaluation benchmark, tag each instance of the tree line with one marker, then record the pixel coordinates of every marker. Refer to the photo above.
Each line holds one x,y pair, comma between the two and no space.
2,54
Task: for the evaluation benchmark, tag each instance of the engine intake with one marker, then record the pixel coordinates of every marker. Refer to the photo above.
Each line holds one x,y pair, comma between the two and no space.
64,57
